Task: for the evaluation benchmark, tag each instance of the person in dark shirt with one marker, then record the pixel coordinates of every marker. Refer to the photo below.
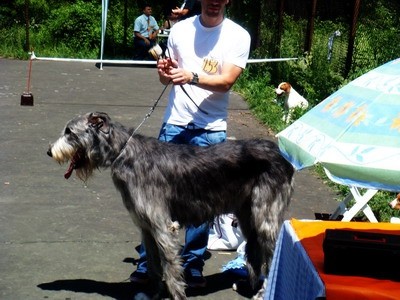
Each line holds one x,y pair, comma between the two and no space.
191,8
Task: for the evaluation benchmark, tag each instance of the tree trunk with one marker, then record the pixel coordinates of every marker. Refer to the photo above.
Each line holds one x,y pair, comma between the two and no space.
27,42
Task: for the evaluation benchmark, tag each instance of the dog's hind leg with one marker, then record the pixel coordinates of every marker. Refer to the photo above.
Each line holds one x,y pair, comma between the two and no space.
260,219
254,256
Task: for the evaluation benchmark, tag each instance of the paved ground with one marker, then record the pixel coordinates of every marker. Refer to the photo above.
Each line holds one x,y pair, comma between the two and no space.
62,239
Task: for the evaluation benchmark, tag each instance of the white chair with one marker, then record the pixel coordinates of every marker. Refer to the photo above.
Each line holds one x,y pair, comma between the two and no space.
361,204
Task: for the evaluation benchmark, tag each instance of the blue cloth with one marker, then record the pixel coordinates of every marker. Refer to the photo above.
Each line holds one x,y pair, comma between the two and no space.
196,237
237,266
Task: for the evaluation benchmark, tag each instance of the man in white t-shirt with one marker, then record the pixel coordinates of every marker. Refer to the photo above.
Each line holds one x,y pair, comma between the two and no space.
206,55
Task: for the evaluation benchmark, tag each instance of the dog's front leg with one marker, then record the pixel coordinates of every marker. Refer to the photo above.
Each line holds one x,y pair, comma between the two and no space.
163,258
165,233
153,263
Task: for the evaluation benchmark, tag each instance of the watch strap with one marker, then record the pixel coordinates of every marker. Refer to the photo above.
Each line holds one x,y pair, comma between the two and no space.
195,78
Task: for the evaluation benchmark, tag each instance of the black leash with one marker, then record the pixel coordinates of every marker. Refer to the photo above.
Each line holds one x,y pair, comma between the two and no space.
144,120
149,113
152,110
186,93
198,107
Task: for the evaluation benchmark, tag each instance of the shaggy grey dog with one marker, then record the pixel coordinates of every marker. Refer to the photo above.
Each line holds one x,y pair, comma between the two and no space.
164,183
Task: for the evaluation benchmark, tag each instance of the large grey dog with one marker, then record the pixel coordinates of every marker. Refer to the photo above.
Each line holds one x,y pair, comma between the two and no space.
164,183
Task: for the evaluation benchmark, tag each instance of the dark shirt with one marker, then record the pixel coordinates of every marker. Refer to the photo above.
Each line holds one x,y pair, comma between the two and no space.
194,7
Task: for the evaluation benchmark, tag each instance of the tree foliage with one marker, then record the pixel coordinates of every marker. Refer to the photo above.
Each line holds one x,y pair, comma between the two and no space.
77,25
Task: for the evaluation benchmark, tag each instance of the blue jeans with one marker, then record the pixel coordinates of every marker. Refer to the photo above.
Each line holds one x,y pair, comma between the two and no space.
196,238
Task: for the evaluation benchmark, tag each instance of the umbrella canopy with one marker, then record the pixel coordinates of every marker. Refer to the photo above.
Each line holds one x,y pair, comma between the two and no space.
354,133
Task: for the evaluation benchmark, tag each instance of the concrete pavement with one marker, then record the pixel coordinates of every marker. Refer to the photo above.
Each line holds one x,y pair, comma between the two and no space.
64,239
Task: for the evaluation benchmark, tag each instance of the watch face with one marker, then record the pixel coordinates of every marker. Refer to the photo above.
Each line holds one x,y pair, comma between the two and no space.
195,79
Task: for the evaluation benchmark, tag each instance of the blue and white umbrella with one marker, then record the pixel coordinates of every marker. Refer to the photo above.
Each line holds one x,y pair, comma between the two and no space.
354,133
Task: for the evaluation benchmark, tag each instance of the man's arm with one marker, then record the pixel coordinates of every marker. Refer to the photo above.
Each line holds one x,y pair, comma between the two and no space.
218,82
168,72
136,31
153,35
139,36
155,31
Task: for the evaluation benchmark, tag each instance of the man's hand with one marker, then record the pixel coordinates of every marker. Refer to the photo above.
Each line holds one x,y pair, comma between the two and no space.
146,41
169,72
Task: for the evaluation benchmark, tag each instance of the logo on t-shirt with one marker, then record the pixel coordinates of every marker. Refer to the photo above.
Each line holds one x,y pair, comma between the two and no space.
210,65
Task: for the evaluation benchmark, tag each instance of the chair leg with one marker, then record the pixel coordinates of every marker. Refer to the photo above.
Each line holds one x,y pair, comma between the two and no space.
361,205
342,207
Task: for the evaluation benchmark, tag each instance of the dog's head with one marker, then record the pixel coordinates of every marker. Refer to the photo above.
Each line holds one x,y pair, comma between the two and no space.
79,143
283,88
395,203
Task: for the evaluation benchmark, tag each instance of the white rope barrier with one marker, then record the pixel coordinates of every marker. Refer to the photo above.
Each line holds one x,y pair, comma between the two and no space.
138,62
263,60
95,61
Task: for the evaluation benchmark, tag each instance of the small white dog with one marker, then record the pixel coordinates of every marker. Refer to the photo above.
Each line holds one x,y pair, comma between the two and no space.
291,98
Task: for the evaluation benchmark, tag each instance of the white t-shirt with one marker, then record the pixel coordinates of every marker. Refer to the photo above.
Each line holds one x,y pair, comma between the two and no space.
204,50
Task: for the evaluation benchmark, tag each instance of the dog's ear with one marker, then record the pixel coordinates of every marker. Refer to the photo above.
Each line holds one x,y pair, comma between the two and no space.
99,121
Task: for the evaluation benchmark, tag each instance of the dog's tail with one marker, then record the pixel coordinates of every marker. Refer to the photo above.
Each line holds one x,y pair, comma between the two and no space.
268,211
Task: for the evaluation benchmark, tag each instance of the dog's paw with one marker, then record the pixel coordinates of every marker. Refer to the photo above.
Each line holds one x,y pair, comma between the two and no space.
261,291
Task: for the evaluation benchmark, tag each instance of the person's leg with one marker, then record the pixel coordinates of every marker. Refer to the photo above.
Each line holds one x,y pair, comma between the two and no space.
140,49
196,238
140,275
172,134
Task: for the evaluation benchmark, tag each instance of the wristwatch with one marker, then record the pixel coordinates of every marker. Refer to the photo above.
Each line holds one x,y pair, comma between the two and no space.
195,78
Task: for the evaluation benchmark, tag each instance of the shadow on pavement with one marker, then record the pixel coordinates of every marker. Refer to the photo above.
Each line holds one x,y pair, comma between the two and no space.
127,290
116,290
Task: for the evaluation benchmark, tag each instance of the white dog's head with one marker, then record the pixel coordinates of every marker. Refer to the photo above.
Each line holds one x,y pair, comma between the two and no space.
283,88
395,203
290,98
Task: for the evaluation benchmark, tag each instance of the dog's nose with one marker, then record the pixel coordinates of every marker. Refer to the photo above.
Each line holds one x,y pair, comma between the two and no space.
49,153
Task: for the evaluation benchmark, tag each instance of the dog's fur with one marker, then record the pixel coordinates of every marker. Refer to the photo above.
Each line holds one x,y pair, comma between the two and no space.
395,203
291,99
161,183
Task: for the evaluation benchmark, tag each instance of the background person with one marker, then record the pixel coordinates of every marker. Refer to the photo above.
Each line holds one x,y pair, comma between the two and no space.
207,55
172,18
145,33
190,9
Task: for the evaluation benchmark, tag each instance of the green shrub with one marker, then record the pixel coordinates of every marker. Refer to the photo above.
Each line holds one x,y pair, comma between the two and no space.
12,41
76,26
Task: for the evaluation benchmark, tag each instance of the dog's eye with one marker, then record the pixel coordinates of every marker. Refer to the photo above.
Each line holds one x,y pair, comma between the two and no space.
67,131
